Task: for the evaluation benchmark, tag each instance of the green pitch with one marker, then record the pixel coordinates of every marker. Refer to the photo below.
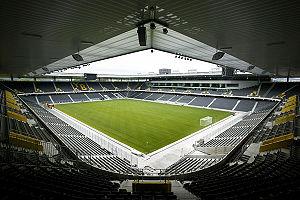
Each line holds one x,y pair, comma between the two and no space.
145,126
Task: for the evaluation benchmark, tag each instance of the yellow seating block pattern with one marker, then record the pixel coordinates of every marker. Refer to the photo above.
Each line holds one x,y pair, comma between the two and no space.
285,118
25,141
283,141
13,106
16,116
289,108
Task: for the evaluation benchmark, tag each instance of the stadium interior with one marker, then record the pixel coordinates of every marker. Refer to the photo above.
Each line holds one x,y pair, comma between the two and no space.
252,154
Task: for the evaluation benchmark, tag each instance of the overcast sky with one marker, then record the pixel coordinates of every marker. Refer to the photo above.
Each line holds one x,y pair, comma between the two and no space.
144,62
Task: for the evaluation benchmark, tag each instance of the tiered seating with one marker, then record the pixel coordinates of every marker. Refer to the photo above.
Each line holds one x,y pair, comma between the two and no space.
174,99
107,85
245,105
278,142
143,86
133,94
120,85
108,95
290,105
246,123
166,97
224,103
79,144
219,146
31,176
44,98
94,96
154,96
63,87
202,101
18,125
28,175
295,90
123,93
265,105
13,107
221,142
3,132
111,163
20,86
133,85
80,86
280,124
235,134
189,164
29,98
265,87
278,89
61,98
186,99
245,91
94,86
218,92
143,95
268,177
79,97
45,86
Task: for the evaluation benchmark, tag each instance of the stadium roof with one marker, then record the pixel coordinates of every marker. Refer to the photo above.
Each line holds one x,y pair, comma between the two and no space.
44,34
172,42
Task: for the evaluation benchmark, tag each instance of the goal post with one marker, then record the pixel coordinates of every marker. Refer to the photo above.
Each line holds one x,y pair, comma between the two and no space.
206,121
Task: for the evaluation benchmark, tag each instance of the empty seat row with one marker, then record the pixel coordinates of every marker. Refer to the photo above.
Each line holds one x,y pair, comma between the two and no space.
111,163
273,176
189,164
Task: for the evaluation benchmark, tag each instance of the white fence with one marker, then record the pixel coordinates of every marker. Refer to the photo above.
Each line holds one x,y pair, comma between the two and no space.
216,129
110,144
49,149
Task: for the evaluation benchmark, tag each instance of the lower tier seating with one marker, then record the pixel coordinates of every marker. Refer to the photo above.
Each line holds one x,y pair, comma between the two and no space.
272,176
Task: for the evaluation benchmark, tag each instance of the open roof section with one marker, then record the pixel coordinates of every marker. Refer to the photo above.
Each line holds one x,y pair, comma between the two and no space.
172,42
37,33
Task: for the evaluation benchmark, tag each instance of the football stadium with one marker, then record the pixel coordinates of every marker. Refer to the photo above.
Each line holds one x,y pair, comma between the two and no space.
150,100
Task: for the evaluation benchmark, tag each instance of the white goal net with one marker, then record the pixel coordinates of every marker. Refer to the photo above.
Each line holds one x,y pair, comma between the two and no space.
206,121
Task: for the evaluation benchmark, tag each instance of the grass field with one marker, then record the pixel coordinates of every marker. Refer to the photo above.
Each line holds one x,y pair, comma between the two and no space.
145,126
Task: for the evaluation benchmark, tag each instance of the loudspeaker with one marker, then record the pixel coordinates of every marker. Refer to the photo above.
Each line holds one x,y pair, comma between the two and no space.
218,55
142,35
77,57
